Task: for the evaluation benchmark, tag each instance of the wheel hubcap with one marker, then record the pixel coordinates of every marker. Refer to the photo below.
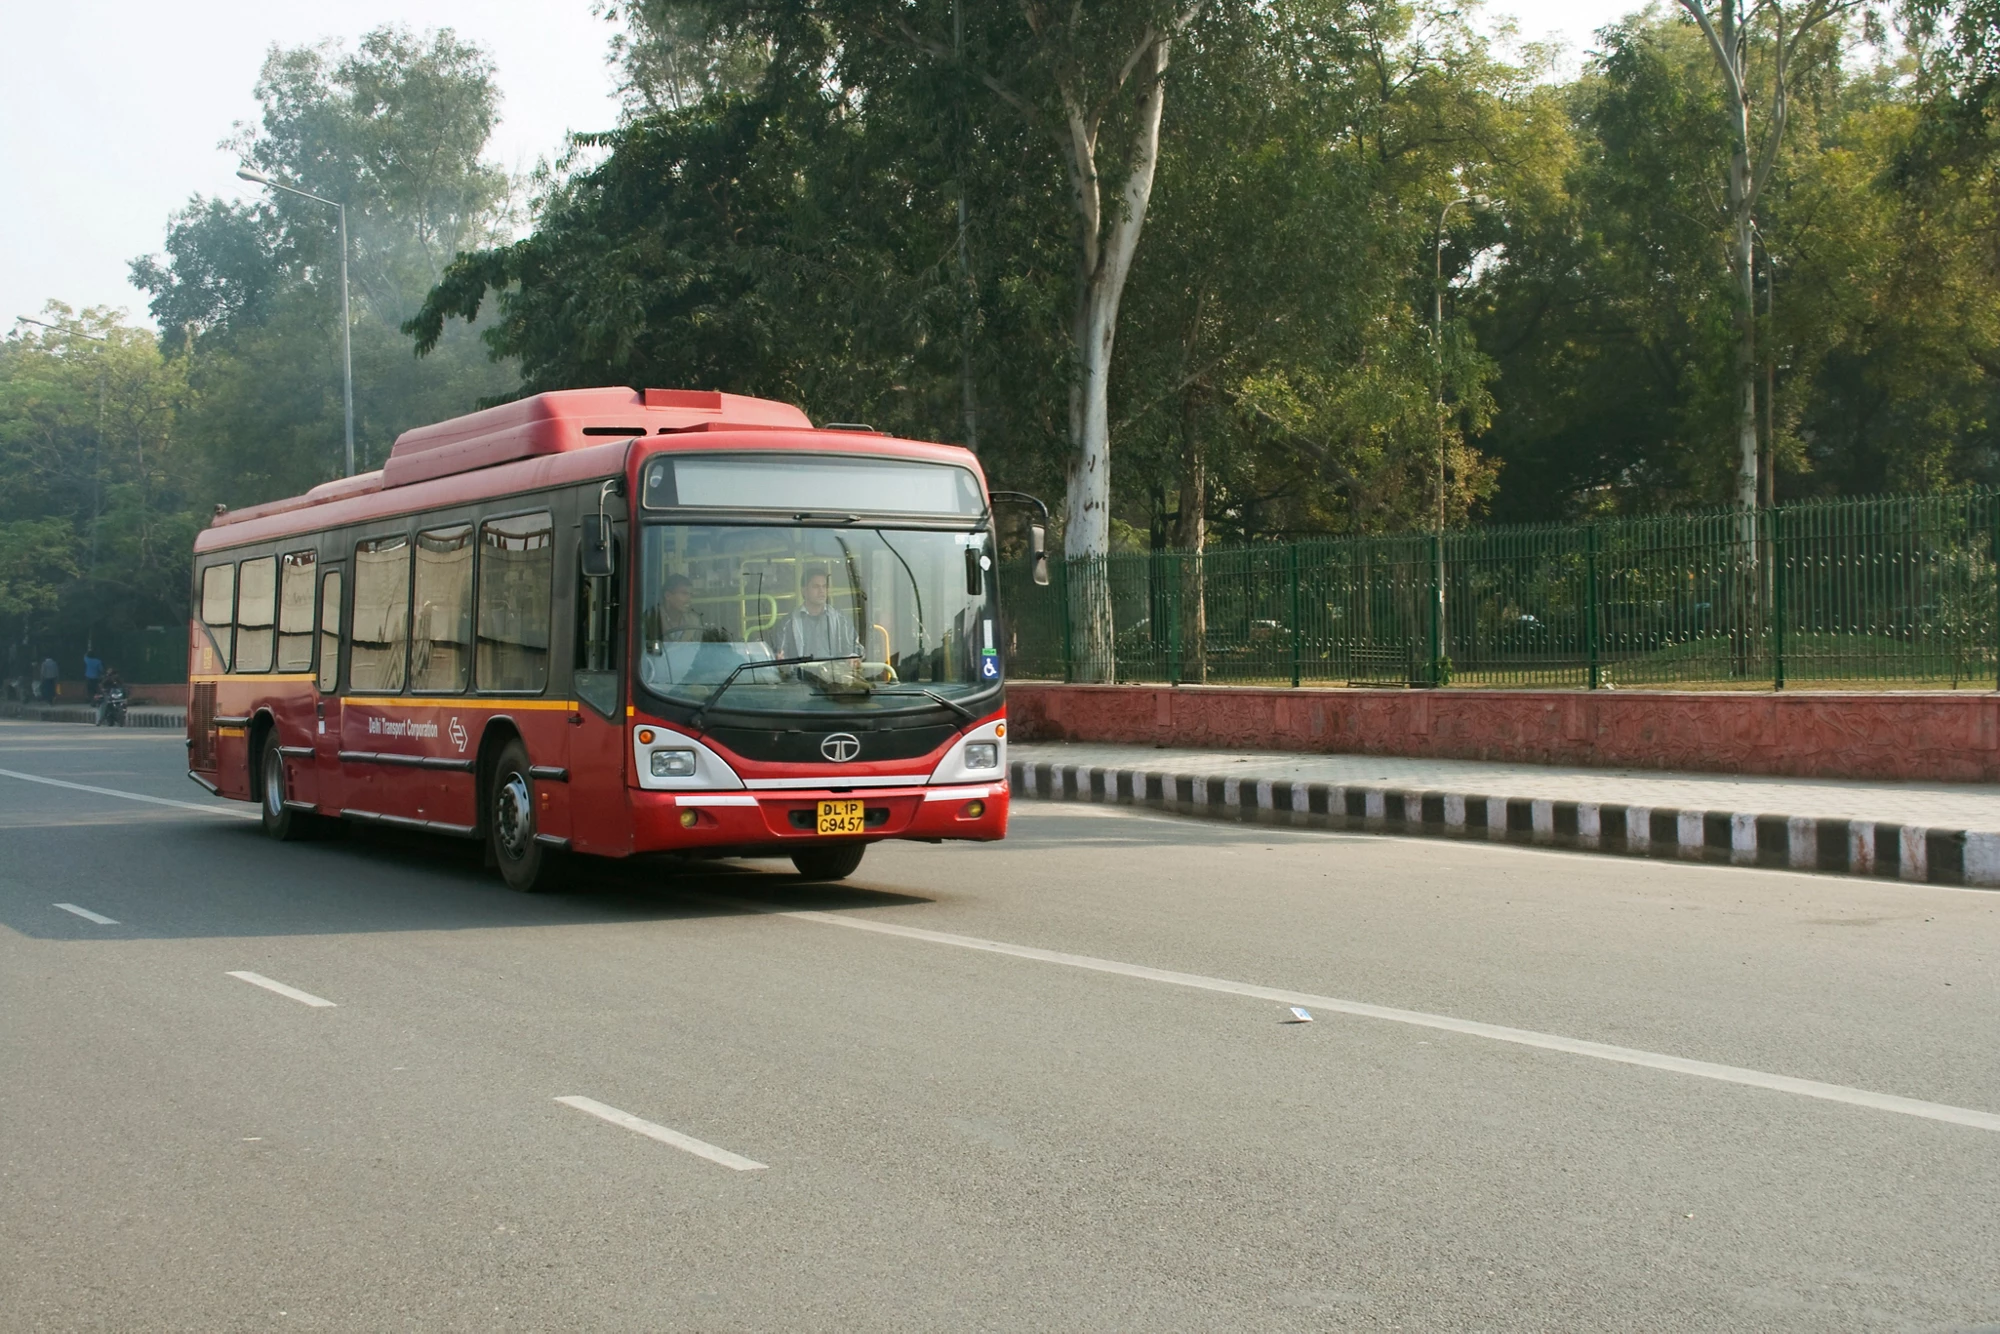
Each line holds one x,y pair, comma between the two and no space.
274,785
513,816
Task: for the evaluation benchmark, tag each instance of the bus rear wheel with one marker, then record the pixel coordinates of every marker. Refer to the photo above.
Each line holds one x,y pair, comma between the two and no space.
279,821
832,863
525,863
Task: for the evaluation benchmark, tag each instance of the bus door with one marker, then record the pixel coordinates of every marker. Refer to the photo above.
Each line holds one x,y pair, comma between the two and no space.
600,820
325,790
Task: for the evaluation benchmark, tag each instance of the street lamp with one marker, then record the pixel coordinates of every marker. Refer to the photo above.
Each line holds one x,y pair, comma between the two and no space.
1437,353
346,323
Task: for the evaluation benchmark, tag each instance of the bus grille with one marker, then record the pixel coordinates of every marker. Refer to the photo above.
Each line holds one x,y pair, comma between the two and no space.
201,726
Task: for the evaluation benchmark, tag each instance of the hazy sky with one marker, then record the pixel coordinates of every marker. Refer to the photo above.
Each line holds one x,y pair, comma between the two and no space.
111,110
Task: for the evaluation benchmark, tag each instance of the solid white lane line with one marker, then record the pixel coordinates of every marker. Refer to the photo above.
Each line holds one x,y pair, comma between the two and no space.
130,796
302,997
688,1143
1680,1065
87,915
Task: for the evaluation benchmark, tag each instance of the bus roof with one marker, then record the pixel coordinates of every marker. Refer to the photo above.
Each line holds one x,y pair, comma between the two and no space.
554,438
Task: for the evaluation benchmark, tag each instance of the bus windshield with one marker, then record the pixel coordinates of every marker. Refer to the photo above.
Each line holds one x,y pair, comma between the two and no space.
886,615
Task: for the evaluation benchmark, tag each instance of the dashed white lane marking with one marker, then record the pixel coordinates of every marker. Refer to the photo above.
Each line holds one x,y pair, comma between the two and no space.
302,997
130,796
1680,1065
87,915
687,1143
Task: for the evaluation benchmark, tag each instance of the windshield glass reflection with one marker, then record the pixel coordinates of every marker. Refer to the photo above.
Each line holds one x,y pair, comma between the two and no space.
885,615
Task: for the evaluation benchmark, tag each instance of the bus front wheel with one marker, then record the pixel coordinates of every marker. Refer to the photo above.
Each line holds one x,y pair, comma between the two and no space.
525,864
834,863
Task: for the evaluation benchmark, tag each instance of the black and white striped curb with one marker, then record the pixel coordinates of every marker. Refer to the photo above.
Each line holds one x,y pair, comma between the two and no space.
1740,838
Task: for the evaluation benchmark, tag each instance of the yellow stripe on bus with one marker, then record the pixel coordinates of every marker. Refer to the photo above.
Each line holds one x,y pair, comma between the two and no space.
252,676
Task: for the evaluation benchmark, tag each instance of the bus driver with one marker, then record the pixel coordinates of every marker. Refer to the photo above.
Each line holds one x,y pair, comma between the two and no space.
816,629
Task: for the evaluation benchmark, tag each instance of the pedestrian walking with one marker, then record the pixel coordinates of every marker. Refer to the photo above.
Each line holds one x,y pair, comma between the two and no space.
49,673
93,672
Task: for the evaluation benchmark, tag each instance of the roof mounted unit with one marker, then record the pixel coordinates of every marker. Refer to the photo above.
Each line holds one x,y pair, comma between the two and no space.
568,419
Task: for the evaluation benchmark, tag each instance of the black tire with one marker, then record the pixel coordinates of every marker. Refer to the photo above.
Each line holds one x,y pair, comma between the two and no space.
834,862
280,823
525,864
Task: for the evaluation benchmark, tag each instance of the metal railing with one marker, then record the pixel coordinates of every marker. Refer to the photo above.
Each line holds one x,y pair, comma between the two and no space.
1896,591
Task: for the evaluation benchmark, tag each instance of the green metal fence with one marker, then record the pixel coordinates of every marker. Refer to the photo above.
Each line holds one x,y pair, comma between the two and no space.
1896,591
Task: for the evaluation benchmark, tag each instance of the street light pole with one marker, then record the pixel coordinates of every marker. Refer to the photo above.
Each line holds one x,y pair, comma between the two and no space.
1437,355
346,320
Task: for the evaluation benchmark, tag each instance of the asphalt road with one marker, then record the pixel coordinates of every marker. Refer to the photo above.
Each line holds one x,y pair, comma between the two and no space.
1044,1085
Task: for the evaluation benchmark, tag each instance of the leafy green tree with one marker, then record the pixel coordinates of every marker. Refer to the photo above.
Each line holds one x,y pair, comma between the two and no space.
395,130
94,522
672,54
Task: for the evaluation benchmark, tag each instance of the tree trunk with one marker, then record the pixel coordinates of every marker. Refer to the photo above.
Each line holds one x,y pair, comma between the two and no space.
1104,262
1747,594
1191,535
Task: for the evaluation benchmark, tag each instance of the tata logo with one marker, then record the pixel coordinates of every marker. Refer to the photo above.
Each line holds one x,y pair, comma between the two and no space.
840,747
457,731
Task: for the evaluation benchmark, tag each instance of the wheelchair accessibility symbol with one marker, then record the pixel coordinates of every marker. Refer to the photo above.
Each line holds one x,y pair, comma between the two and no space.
989,668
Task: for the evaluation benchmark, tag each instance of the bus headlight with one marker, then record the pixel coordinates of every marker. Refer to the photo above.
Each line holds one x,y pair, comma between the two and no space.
673,764
982,755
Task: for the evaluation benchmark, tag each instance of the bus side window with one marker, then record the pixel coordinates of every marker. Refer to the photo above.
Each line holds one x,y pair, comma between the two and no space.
516,577
596,672
441,640
256,613
218,610
329,632
381,631
295,612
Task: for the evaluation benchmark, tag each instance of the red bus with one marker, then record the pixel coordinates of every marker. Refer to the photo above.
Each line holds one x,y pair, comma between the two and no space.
610,622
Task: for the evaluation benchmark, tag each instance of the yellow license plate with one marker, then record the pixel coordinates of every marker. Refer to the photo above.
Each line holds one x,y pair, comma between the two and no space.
842,817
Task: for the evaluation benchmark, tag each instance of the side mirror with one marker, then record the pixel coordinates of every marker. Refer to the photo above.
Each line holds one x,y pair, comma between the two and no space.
1038,541
600,555
975,581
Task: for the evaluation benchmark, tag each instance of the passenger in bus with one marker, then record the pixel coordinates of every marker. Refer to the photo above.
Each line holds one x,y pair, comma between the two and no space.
816,629
673,619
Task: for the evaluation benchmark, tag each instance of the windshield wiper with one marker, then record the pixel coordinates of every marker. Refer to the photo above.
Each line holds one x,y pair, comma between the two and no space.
748,663
945,700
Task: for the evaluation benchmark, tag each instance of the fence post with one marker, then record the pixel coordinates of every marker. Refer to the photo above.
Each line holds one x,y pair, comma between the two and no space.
1068,652
1590,631
1993,517
1436,564
1175,577
1778,591
1292,568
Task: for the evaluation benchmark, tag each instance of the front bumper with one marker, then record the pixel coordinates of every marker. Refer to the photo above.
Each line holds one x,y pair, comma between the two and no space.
781,821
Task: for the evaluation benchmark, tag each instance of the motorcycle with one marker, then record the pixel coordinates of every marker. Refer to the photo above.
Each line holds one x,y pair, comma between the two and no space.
111,707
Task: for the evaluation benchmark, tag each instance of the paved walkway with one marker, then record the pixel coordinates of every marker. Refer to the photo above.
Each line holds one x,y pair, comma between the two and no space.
167,716
1958,805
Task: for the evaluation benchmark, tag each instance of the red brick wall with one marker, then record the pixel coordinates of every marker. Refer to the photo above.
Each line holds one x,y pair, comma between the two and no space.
1933,736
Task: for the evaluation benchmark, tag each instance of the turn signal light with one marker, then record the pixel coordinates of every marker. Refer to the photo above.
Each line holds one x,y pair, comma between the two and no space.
645,736
999,729
689,819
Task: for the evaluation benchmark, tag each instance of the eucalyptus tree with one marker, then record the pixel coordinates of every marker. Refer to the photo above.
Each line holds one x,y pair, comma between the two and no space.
1791,27
1090,83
